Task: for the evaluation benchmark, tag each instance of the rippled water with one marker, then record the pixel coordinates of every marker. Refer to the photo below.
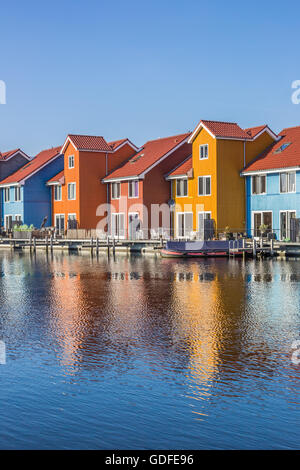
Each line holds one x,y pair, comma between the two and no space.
148,353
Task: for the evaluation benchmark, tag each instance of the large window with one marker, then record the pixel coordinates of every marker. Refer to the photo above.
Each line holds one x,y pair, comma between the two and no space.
133,189
203,152
71,191
72,221
288,182
259,184
286,229
118,225
115,190
17,193
57,192
184,224
71,161
262,223
181,187
204,186
6,194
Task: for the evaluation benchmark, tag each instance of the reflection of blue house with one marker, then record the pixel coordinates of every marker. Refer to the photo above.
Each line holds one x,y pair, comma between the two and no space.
9,163
273,188
25,196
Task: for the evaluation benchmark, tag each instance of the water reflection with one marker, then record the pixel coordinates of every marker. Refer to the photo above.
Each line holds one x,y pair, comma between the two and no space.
212,337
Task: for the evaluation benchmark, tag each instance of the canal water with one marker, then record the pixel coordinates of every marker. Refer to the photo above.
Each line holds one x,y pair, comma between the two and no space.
148,353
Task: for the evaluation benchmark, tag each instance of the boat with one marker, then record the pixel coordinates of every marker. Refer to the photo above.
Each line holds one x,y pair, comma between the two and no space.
200,249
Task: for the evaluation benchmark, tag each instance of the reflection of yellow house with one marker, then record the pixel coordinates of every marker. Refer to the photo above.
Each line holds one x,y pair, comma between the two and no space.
209,185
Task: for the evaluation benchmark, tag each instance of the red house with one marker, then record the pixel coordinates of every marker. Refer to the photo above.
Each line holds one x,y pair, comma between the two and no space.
139,192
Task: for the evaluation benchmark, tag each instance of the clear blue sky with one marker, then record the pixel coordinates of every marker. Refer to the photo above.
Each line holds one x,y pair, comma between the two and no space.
144,69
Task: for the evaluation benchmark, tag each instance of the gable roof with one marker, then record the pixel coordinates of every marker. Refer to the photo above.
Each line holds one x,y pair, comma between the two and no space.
219,129
255,132
184,169
11,153
57,179
284,153
230,130
36,164
87,143
117,144
148,156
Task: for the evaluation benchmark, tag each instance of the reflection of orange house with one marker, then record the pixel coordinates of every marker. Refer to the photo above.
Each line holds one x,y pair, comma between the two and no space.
77,191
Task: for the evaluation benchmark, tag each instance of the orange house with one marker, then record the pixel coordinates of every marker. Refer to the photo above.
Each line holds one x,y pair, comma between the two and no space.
77,191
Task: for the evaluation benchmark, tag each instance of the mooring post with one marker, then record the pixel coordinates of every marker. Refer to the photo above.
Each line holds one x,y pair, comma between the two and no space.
114,245
34,244
92,242
97,245
51,242
272,247
108,245
254,248
46,239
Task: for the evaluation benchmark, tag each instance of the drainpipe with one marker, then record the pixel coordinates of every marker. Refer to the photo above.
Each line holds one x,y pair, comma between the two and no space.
107,195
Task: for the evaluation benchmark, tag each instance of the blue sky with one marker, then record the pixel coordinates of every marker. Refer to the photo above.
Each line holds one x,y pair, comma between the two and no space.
142,69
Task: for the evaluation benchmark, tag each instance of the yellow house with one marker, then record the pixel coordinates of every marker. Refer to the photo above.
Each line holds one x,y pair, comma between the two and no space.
209,185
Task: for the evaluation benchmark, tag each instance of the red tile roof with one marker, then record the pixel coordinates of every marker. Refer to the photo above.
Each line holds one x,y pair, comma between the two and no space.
229,130
89,143
5,155
57,178
253,131
35,164
276,157
183,169
147,156
116,143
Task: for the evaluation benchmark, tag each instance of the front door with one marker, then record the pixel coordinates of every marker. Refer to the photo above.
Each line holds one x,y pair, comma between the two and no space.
60,223
8,222
134,225
285,223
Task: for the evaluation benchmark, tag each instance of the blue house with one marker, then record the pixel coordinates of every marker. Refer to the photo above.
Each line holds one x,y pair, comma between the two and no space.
273,188
25,196
10,162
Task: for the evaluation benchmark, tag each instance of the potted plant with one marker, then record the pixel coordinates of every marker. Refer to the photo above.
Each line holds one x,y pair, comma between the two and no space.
263,230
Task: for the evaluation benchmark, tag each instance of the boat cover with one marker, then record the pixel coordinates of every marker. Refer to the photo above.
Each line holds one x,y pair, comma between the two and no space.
210,245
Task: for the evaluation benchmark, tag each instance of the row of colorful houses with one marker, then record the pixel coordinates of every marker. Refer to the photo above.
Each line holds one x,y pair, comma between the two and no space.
219,176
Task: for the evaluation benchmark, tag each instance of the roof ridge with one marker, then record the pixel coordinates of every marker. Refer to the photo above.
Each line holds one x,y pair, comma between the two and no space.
219,122
87,135
292,127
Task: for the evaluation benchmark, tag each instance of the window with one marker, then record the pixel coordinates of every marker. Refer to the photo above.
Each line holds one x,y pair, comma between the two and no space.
115,190
259,184
184,224
288,182
181,188
17,220
262,223
8,222
72,222
59,222
17,193
133,189
6,194
72,191
71,161
118,225
286,228
204,185
203,152
57,192
205,229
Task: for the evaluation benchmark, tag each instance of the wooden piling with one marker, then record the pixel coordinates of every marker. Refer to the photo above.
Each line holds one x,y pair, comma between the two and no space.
254,248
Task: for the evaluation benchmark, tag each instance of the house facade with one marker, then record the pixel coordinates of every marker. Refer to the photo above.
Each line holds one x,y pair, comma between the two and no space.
139,194
77,192
10,162
26,199
273,188
215,189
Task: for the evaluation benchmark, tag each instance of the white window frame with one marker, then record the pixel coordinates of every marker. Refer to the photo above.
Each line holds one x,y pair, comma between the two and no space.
117,214
266,190
129,183
184,236
201,212
56,186
260,212
111,189
288,179
71,158
72,198
200,147
6,192
187,187
60,215
288,228
18,191
206,177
